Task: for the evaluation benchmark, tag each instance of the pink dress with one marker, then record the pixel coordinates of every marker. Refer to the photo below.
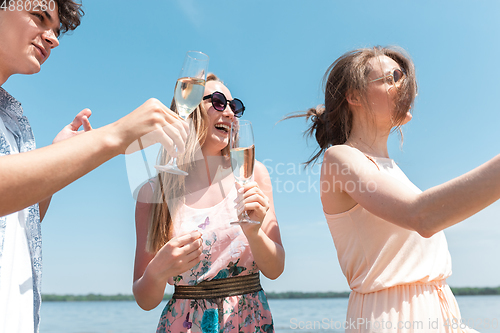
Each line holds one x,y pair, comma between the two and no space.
226,253
397,277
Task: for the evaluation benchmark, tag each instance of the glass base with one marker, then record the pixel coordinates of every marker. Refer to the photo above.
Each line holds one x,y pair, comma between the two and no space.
240,222
171,169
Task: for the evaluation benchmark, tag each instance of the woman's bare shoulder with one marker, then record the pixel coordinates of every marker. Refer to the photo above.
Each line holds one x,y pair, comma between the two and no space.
342,153
260,168
345,156
146,192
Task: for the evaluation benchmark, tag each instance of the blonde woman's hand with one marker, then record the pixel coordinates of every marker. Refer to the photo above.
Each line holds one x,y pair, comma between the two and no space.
253,201
177,256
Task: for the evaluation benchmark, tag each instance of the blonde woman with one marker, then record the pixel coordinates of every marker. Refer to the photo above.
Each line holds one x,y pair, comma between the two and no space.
184,237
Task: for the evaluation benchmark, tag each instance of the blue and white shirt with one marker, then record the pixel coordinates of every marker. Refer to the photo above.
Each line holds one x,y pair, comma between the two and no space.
20,233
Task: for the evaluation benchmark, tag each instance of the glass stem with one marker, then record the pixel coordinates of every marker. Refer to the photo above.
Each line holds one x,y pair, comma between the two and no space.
173,160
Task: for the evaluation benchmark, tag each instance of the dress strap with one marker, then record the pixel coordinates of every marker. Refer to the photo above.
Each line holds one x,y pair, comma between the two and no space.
371,159
151,182
368,157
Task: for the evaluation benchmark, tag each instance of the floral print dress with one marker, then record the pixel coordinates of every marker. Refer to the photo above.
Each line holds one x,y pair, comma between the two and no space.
226,253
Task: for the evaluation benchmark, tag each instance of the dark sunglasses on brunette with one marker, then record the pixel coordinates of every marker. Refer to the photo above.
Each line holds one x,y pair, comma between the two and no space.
219,102
393,78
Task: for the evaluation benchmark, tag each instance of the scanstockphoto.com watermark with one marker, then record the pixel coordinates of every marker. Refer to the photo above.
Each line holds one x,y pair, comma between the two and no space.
285,177
381,325
293,178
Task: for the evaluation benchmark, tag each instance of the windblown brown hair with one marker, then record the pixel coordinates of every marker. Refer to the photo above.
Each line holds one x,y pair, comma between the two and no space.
332,121
169,189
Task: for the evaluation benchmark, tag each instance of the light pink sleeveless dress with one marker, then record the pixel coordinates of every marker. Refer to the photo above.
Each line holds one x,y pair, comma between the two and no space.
226,253
397,277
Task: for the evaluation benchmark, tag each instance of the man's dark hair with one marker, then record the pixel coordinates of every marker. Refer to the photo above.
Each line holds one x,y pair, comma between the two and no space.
69,11
70,14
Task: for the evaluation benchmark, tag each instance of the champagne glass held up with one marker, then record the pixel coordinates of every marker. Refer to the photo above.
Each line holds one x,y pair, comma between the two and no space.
188,93
242,150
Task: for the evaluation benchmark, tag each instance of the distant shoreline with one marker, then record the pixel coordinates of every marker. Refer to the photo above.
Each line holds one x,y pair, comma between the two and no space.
270,295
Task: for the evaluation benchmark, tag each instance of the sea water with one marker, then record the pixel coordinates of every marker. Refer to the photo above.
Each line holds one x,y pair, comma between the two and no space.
290,315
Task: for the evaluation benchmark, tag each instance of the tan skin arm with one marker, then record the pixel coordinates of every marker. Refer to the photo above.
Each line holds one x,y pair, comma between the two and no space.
264,239
152,270
427,213
31,177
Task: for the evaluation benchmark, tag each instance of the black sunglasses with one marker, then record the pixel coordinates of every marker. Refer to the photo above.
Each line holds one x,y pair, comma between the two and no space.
219,102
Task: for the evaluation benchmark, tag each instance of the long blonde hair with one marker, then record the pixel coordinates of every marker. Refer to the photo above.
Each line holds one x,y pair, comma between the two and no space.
160,219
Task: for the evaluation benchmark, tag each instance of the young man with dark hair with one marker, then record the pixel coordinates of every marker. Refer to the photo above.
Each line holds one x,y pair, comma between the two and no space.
29,31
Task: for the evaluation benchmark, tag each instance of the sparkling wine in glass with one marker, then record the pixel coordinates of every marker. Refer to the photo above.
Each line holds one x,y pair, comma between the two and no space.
242,150
188,93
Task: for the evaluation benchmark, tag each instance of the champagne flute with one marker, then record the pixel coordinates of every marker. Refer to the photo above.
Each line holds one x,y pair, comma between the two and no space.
188,93
242,150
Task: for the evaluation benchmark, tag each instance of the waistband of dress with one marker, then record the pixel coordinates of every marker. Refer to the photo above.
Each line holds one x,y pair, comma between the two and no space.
436,284
220,288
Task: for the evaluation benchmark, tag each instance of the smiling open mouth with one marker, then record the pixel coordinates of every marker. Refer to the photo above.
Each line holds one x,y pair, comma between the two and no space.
222,127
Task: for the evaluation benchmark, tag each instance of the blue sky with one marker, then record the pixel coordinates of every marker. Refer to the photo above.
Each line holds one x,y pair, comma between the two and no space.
272,55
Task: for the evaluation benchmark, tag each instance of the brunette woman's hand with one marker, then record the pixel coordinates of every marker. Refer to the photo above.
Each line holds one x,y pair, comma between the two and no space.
180,254
253,201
